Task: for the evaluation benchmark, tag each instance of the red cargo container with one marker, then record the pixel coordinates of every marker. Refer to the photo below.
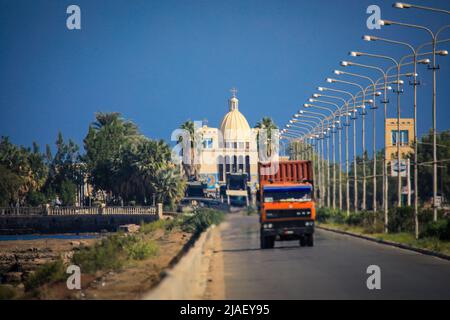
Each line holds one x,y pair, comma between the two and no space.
297,171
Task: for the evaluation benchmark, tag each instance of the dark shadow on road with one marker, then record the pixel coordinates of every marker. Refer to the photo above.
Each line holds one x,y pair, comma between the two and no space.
259,249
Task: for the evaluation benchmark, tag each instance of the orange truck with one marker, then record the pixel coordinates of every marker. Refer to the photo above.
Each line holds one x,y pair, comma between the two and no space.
286,206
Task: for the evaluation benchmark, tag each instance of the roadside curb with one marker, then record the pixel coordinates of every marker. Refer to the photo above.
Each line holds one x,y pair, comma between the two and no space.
390,243
186,280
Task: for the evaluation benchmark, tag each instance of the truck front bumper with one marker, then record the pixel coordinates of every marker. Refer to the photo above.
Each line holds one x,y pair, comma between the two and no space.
286,230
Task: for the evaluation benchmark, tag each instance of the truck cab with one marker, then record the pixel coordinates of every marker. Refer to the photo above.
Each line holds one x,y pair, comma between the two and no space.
287,210
237,189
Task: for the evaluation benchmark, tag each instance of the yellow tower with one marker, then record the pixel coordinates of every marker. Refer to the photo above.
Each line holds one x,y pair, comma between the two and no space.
406,138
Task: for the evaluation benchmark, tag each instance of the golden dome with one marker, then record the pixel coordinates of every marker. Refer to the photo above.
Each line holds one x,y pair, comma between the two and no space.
234,126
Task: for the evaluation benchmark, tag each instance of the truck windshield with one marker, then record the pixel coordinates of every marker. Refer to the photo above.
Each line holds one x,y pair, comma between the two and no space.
287,194
237,181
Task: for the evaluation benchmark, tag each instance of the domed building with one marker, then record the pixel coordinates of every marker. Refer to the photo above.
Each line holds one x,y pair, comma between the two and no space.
229,149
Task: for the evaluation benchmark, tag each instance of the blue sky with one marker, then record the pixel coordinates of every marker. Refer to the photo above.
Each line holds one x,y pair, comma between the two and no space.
162,62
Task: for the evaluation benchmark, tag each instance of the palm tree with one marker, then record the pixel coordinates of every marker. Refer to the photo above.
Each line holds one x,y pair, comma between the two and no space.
168,186
267,124
190,169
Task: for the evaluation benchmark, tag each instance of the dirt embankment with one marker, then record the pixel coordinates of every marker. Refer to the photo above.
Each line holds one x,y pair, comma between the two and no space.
139,277
215,289
19,258
122,266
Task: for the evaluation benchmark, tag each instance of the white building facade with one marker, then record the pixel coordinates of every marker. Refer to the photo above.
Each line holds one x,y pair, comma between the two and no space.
231,148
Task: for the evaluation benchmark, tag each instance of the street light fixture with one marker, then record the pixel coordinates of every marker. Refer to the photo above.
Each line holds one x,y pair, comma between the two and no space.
434,37
340,127
403,5
307,105
322,119
346,125
374,178
415,83
332,80
398,91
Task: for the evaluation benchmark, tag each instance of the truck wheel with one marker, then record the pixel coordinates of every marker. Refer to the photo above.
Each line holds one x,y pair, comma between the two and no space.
302,241
263,242
310,240
267,242
271,241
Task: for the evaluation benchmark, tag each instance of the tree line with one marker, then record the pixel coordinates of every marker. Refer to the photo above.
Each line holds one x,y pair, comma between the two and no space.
122,166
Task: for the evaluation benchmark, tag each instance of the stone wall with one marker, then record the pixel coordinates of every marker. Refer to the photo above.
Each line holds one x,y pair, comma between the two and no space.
69,223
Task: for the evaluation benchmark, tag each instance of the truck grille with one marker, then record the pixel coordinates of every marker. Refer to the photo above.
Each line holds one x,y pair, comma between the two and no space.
290,213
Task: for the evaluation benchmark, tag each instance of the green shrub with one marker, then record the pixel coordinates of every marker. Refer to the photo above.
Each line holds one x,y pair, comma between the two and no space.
152,226
113,251
426,216
7,292
141,249
68,192
108,254
323,214
201,220
47,273
439,229
251,210
161,224
355,219
371,222
171,224
36,198
330,215
363,218
401,219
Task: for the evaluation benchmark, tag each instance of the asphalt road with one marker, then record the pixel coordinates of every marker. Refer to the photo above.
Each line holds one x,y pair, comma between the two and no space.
335,268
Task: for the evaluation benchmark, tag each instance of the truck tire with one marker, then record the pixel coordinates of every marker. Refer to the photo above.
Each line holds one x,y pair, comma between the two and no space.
271,241
263,242
267,242
302,241
310,240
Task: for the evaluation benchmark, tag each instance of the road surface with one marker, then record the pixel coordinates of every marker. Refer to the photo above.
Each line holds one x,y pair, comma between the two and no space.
335,268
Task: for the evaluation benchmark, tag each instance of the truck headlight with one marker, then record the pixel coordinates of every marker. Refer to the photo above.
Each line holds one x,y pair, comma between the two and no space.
268,226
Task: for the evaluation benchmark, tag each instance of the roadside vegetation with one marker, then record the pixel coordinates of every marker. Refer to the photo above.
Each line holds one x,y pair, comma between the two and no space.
116,251
7,292
433,235
113,252
123,166
250,210
48,273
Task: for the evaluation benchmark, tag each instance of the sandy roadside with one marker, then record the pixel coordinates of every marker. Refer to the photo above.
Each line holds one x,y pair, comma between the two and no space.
138,278
215,288
135,279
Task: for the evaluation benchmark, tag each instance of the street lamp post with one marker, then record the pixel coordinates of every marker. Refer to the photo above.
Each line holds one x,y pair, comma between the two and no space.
320,165
415,83
347,124
318,95
321,117
434,37
385,101
374,178
309,105
398,91
330,80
